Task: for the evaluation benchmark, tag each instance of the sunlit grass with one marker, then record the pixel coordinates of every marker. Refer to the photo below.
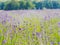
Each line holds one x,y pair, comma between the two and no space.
28,32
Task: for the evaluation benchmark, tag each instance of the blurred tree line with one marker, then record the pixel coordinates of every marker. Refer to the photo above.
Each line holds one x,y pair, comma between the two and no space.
21,5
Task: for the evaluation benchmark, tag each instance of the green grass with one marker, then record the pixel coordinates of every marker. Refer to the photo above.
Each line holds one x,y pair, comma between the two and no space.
25,33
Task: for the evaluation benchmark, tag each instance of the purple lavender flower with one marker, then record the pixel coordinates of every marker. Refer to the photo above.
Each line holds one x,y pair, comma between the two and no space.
58,24
47,17
38,35
4,41
4,22
58,43
51,43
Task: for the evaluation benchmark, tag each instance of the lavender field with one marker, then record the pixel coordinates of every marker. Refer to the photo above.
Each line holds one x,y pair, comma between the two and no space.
30,27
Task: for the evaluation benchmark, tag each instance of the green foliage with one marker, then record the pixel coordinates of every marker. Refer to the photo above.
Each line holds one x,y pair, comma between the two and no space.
13,5
22,4
28,4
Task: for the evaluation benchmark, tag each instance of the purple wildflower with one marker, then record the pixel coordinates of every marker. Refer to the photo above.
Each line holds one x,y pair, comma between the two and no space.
38,34
47,18
58,24
4,41
51,43
58,43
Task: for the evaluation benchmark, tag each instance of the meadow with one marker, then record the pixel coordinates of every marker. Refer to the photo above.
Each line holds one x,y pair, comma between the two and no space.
30,27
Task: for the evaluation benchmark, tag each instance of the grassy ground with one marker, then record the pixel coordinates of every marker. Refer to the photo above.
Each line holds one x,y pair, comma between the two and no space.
29,28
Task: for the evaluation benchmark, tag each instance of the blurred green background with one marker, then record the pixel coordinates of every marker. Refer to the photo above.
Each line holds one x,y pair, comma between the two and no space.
29,4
